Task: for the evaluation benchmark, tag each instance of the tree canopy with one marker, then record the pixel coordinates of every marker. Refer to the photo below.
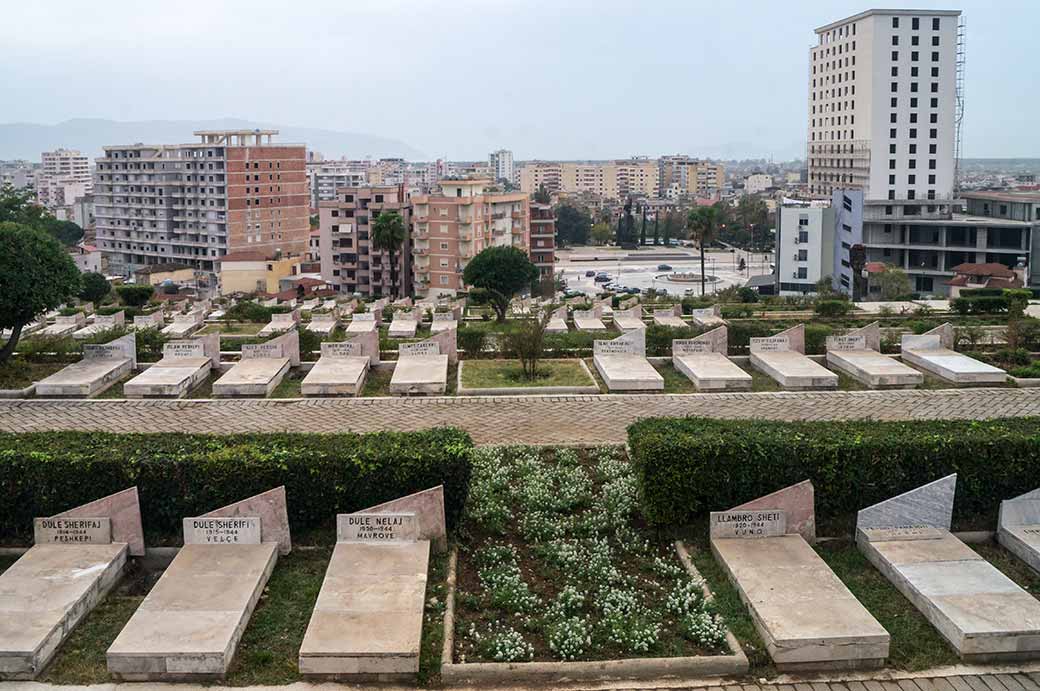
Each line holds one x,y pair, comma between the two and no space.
18,206
388,234
94,287
501,271
893,281
572,225
36,275
703,223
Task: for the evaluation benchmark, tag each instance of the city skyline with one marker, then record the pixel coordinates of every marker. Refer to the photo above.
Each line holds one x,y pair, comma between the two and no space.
463,80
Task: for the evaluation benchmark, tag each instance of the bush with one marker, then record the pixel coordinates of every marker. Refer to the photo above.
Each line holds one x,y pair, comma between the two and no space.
982,304
94,288
134,295
816,338
748,294
472,341
688,467
1024,333
40,348
833,308
981,292
248,311
659,338
310,345
150,344
181,475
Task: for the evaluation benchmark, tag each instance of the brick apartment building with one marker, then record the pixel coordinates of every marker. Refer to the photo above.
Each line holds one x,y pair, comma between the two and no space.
348,259
191,204
543,239
453,226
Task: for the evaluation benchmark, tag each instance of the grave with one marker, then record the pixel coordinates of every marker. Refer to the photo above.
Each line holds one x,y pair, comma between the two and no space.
983,614
367,621
622,363
280,323
101,367
1018,527
261,368
189,625
65,325
323,323
342,368
708,317
184,325
102,322
933,352
149,321
445,321
805,615
422,368
184,366
77,557
630,319
782,357
363,322
558,323
703,360
332,304
309,305
671,317
589,320
271,302
857,354
403,324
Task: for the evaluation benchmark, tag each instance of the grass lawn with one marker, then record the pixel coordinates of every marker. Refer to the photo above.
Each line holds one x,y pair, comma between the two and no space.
555,564
17,373
290,386
116,390
233,329
916,645
495,374
377,383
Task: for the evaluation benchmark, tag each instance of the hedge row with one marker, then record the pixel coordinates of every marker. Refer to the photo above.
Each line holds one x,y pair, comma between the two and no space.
179,475
980,304
687,467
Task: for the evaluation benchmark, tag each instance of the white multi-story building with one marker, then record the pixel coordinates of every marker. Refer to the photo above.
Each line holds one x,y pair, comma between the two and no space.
804,245
65,176
327,176
501,163
757,183
883,105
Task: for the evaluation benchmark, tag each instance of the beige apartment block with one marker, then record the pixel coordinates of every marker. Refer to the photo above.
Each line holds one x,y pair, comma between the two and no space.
454,225
690,176
610,179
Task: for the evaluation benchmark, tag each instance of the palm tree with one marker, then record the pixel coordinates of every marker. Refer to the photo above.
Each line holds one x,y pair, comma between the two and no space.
387,236
703,222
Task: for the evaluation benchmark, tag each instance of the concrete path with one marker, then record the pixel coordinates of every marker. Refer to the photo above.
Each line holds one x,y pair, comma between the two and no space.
507,419
999,680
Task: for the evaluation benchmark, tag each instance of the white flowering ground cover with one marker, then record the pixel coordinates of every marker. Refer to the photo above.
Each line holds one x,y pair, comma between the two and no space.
554,564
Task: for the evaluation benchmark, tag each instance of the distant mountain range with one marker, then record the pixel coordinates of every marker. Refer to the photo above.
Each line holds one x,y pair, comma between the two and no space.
28,140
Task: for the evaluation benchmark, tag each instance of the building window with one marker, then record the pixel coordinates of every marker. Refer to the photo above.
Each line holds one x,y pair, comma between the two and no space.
915,23
935,40
891,179
935,24
895,22
895,55
895,40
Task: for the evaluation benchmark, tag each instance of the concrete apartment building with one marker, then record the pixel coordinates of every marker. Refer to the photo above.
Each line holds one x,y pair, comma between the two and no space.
501,164
191,204
685,176
756,183
64,177
804,246
452,226
348,259
885,101
326,177
543,239
611,179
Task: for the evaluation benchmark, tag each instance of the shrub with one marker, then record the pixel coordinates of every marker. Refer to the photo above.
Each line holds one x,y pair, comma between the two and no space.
833,308
748,294
94,287
310,345
659,338
150,344
40,348
179,475
688,467
134,295
981,292
982,304
248,311
1024,333
740,311
472,341
816,338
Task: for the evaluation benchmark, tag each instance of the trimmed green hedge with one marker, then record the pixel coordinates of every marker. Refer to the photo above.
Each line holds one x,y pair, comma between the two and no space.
687,467
180,475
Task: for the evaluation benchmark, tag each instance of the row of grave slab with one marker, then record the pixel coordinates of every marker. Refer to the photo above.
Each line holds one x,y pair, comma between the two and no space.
366,622
422,367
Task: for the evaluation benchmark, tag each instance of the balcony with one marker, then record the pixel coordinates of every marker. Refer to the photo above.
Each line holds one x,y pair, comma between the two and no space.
421,251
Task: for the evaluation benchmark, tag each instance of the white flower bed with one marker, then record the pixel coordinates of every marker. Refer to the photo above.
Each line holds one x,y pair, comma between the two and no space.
557,567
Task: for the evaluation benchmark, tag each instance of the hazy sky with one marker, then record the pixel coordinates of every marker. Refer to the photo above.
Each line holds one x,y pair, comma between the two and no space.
561,79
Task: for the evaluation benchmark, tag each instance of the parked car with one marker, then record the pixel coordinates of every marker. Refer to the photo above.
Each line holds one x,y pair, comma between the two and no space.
590,274
601,278
664,267
633,291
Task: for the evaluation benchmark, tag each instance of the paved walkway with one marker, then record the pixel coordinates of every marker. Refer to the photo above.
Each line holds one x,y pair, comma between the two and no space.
507,419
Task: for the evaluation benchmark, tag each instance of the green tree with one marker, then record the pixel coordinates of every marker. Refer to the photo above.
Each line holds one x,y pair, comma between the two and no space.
18,206
94,287
601,233
572,225
542,196
388,235
36,275
502,272
527,342
135,295
703,223
893,282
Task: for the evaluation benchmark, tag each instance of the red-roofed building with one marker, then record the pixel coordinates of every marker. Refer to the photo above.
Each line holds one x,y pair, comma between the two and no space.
989,275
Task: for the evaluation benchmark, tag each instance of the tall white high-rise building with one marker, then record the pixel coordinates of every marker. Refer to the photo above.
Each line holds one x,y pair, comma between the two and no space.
65,177
501,163
883,105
